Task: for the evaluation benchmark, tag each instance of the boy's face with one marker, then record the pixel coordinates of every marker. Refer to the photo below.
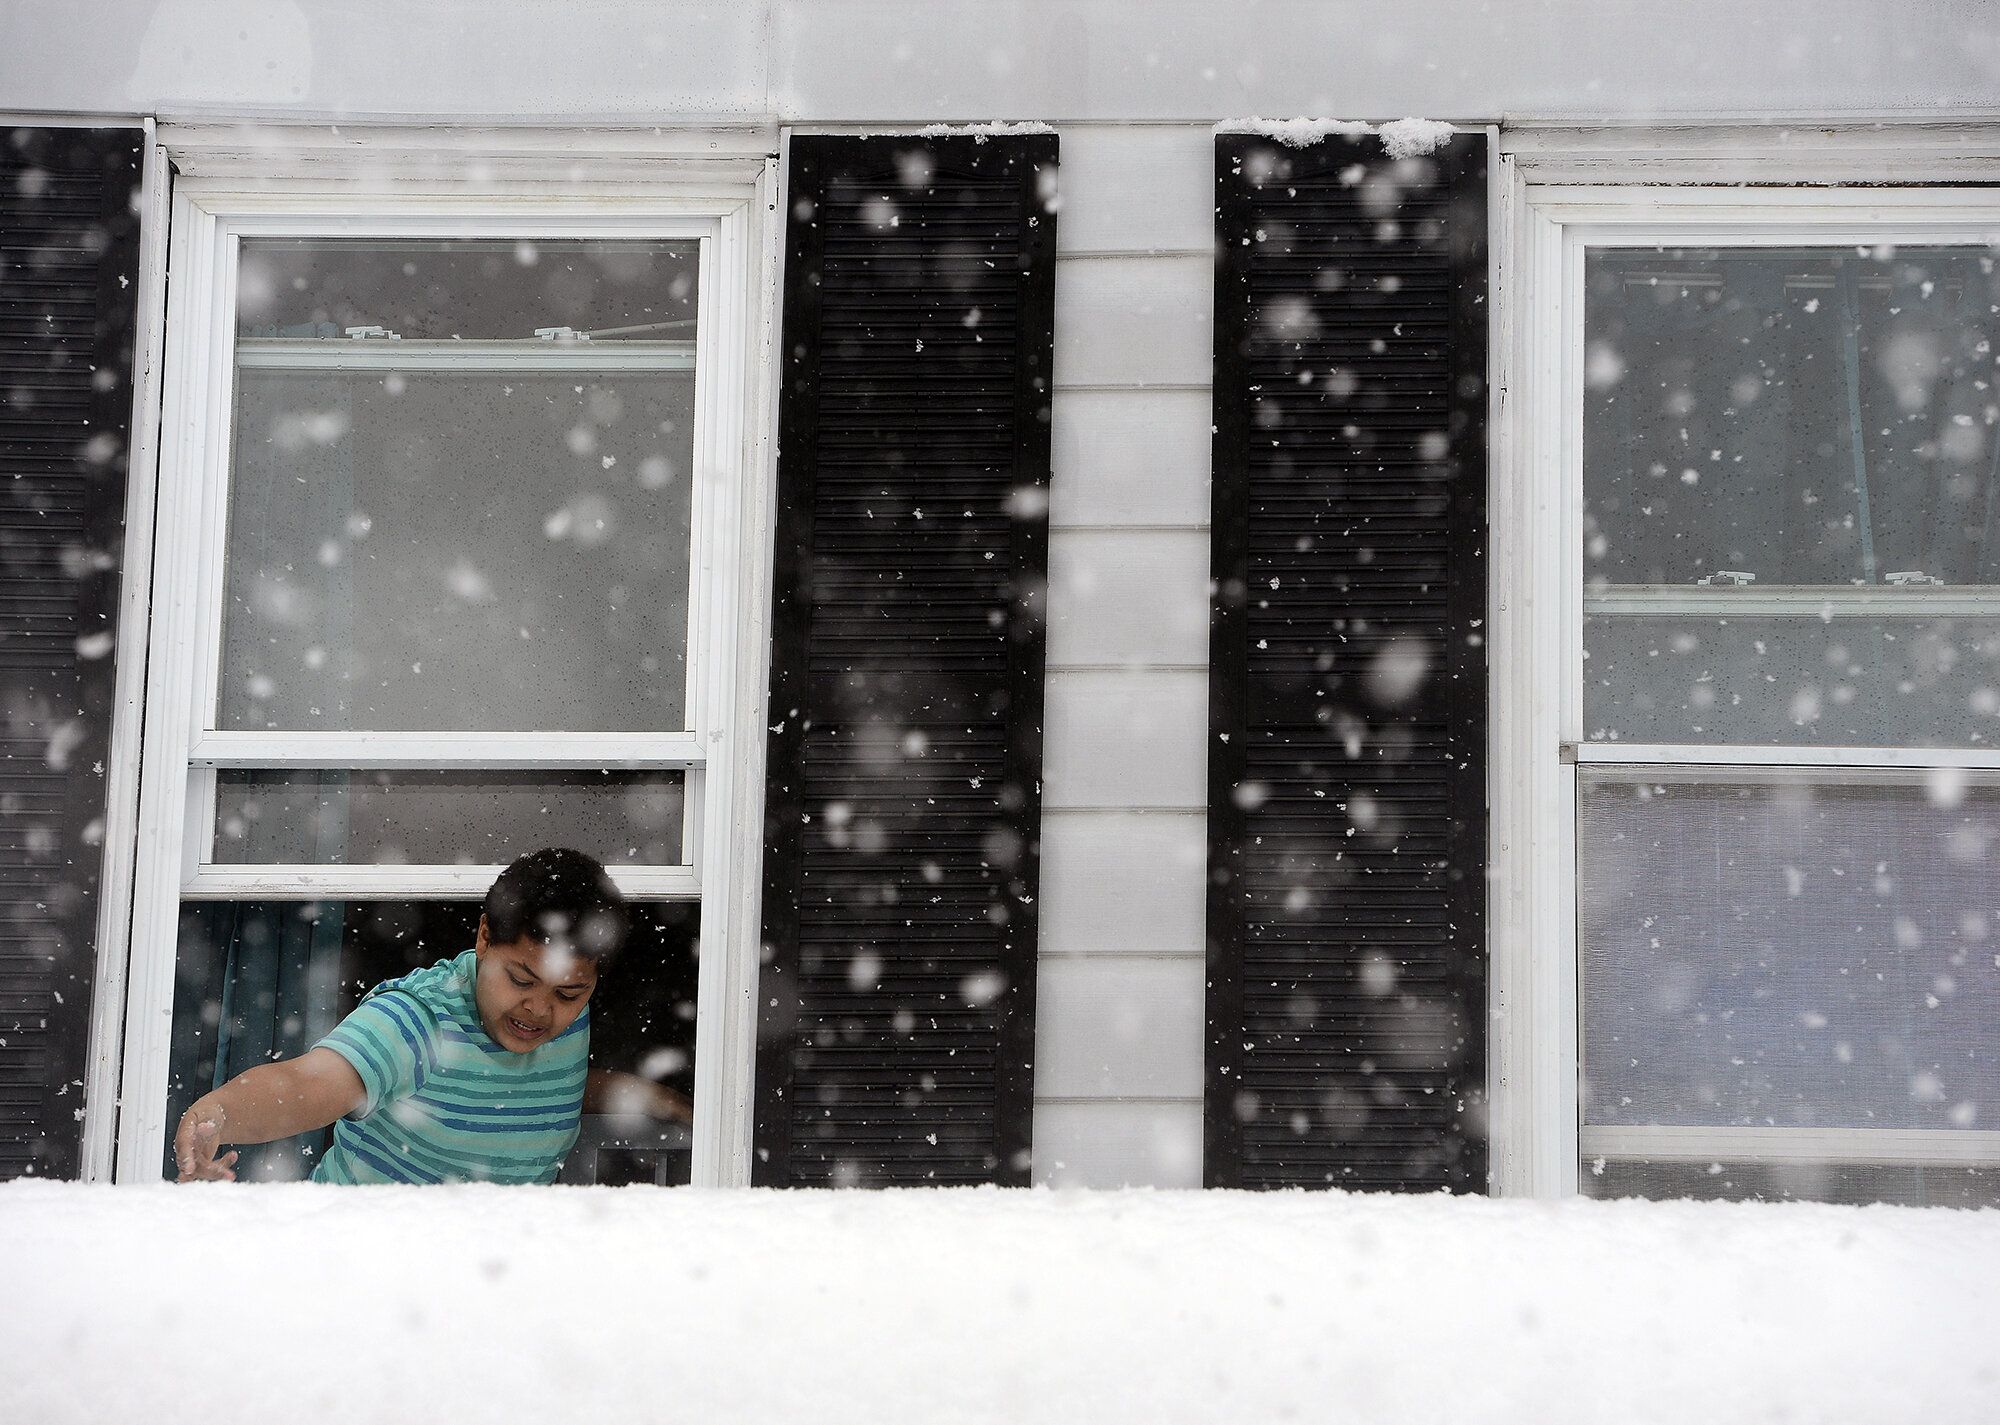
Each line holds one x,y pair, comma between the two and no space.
527,992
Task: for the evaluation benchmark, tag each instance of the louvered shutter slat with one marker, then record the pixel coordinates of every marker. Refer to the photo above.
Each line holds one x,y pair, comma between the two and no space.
68,295
904,796
1347,747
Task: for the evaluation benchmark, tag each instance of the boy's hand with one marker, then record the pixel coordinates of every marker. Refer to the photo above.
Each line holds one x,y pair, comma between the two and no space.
260,1104
194,1149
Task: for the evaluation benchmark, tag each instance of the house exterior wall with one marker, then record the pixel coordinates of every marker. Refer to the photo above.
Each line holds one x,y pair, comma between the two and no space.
896,61
1133,90
1118,1082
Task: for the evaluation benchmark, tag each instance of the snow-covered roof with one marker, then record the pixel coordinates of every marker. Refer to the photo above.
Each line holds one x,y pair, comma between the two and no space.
289,1303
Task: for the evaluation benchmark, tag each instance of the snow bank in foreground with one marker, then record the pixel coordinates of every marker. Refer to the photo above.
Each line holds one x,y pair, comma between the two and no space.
290,1303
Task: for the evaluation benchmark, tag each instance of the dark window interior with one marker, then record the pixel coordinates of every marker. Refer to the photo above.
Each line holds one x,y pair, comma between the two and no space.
260,981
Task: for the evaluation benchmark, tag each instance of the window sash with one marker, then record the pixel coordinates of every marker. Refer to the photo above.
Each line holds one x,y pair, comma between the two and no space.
220,276
1671,1143
729,574
1849,760
455,358
216,747
357,883
496,751
1540,599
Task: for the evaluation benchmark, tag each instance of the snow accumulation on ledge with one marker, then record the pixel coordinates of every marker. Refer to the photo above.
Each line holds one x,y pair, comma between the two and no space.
980,133
293,1303
1401,138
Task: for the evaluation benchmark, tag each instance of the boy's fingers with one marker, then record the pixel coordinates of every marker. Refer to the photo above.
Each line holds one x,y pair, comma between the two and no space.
216,1170
195,1154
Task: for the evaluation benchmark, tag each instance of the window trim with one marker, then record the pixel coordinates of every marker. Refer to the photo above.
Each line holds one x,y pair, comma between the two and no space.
1537,593
729,205
121,811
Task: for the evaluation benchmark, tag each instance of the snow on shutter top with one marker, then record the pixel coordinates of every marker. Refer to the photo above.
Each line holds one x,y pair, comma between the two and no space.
904,797
1347,677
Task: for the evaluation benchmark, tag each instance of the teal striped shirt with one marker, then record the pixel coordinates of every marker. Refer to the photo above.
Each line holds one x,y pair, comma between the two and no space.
446,1103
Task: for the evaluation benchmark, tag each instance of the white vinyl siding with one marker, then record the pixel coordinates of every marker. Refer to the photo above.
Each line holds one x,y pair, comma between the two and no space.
1124,842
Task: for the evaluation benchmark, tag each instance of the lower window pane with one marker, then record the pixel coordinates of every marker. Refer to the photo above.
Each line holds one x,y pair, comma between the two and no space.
265,980
375,818
1786,954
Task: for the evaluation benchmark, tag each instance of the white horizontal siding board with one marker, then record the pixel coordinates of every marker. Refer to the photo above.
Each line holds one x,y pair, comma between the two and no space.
1134,321
1130,457
1119,1027
1117,882
1134,598
1123,740
1141,189
1113,1144
919,61
1374,59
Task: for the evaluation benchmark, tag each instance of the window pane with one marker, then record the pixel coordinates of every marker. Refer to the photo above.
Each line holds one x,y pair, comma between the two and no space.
338,818
258,981
1838,681
479,289
1800,437
468,526
1787,954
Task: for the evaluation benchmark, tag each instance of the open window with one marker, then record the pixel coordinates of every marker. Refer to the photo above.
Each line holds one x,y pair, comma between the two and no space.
450,568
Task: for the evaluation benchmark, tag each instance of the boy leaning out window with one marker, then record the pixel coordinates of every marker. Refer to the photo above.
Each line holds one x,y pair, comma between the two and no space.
475,1069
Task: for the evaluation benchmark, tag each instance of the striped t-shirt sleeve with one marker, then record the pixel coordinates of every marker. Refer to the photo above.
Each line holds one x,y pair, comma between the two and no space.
388,1041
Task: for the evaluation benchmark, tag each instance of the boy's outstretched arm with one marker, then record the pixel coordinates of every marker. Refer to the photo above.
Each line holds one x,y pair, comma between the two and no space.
269,1101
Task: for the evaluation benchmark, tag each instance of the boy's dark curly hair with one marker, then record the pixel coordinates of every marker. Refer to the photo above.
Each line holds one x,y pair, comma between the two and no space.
561,897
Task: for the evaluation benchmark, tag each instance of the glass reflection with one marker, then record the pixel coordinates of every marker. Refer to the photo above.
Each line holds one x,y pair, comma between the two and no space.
359,818
1779,953
1806,417
1792,515
441,519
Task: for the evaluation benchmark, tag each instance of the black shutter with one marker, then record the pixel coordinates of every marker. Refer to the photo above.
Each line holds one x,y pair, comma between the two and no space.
904,801
1347,749
69,246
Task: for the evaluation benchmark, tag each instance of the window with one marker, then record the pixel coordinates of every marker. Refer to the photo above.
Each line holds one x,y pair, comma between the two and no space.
452,565
1779,624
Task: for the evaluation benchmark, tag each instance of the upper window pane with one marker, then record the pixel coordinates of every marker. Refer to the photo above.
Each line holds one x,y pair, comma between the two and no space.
1809,417
460,491
1791,517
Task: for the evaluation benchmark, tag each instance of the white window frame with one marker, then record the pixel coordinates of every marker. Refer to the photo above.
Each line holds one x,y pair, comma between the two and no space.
1542,232
523,185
